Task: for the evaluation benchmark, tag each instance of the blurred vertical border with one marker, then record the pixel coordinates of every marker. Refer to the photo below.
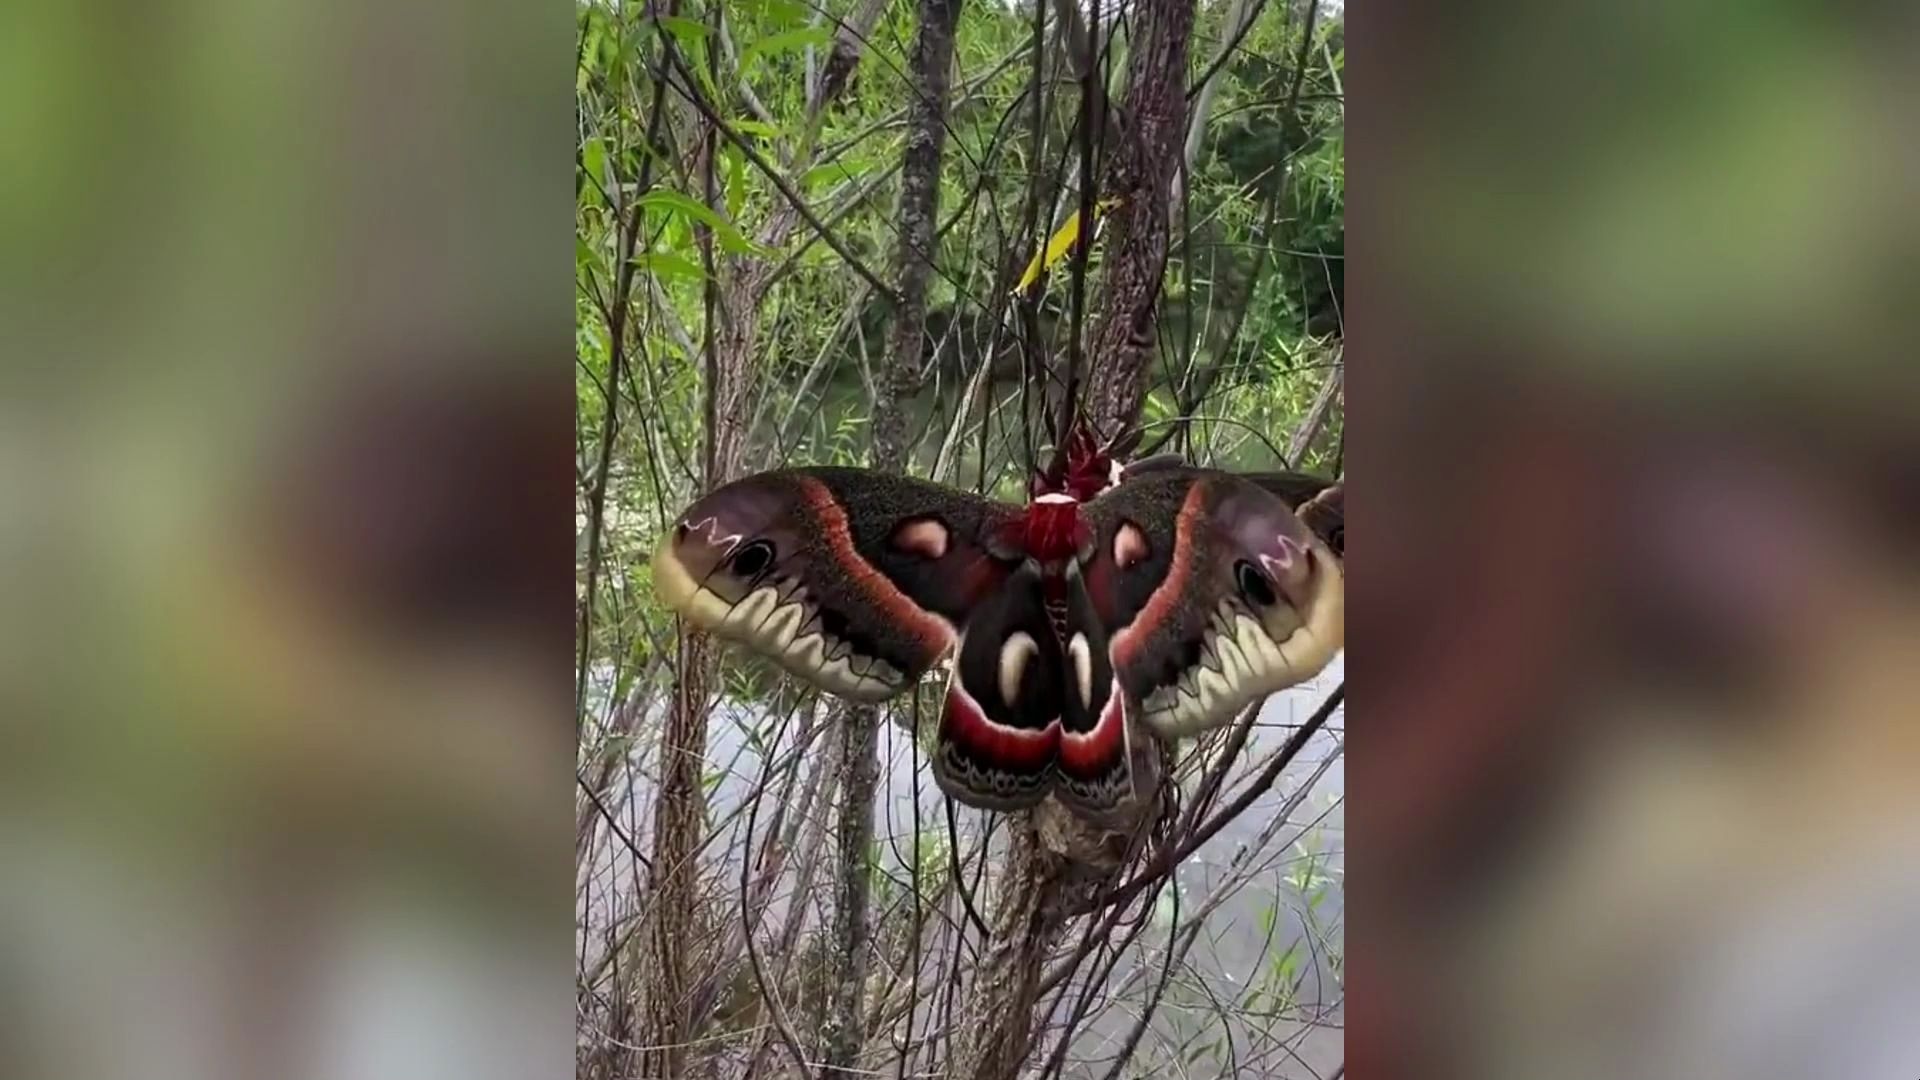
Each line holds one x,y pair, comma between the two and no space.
285,756
1635,634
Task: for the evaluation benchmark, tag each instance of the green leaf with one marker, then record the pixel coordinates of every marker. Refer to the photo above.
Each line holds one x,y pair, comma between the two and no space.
593,159
785,41
589,53
1166,906
692,36
723,230
1287,964
757,127
687,31
662,265
831,173
736,180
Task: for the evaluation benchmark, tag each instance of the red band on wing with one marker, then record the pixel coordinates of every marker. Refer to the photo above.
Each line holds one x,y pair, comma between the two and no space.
1011,749
931,630
1091,754
1129,641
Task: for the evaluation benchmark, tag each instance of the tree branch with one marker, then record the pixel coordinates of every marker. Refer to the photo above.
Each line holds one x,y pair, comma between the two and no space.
845,1029
779,182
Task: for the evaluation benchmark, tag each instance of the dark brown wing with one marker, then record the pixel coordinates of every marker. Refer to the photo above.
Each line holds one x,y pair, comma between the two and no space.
1292,488
1212,592
1320,504
1094,770
1000,730
853,580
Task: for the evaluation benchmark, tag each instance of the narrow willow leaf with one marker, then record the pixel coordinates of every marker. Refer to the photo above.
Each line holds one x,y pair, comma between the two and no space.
757,127
736,181
723,230
593,159
1060,244
662,265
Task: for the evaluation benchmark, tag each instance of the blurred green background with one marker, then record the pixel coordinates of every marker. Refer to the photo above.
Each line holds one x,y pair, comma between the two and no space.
286,300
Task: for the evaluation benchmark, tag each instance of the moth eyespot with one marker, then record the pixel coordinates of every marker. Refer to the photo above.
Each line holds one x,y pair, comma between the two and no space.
925,537
1129,545
753,559
1253,584
1014,654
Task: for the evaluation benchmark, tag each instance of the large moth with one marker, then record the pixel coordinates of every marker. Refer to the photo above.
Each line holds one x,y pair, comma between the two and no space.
1159,595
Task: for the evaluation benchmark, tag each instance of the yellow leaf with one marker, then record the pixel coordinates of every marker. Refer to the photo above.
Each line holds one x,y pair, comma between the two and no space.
1059,244
1057,247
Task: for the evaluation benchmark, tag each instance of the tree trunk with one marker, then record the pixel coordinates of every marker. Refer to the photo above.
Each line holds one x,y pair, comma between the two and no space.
736,291
843,1030
1239,14
1143,170
1057,859
679,811
919,217
680,803
859,766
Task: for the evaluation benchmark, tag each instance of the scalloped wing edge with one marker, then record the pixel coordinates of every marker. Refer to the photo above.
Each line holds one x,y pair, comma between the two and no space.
1238,682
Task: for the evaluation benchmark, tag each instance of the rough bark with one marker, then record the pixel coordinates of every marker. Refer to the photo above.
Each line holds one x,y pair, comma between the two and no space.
1055,863
680,801
859,768
679,820
1143,167
843,1028
680,805
932,65
1198,384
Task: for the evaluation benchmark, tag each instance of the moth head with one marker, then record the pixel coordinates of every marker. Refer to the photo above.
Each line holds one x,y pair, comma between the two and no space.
766,562
728,544
1282,575
1253,603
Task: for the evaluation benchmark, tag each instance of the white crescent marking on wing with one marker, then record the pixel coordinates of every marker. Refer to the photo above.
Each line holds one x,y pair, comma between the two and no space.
1015,652
1082,656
